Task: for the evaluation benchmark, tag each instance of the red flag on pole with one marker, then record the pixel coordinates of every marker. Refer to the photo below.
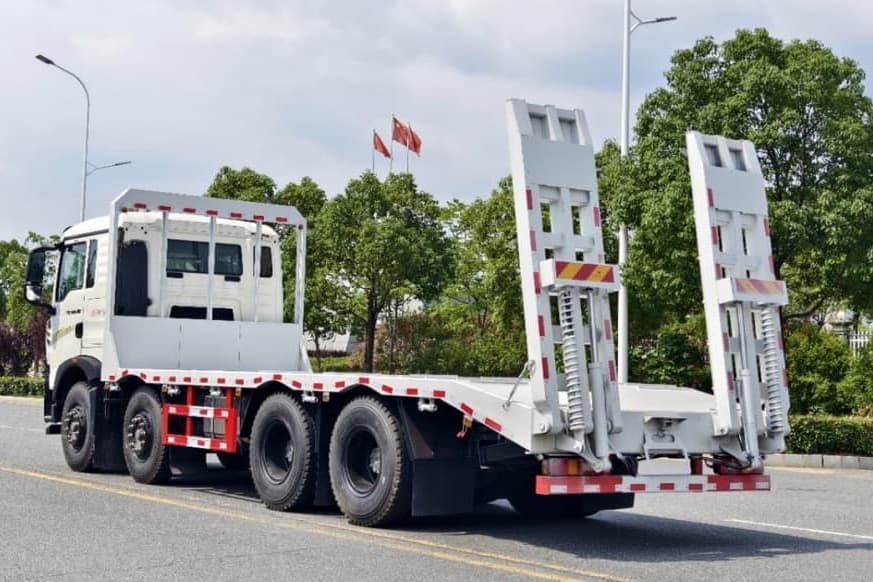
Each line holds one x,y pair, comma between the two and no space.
399,132
379,145
414,142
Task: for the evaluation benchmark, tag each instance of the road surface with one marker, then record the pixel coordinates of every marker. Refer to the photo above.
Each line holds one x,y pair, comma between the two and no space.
56,524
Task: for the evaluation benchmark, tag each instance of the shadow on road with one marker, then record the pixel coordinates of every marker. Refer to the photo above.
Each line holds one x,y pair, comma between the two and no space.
611,535
628,536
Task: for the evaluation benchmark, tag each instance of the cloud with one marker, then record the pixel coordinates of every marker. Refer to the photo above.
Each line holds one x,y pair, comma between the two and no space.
294,88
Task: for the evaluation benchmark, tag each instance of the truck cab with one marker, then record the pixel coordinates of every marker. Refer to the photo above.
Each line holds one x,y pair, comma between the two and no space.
76,273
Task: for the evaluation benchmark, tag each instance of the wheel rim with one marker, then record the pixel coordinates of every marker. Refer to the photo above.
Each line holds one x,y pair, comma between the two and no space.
75,427
277,454
363,461
140,435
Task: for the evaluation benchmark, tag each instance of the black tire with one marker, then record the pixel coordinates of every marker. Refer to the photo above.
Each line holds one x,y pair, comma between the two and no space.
78,439
370,471
234,461
147,459
282,454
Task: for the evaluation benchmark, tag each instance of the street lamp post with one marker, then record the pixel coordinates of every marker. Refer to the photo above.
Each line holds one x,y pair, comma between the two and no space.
87,167
631,23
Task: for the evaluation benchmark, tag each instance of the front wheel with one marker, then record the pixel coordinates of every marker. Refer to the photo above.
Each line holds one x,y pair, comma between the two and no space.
370,471
78,440
147,459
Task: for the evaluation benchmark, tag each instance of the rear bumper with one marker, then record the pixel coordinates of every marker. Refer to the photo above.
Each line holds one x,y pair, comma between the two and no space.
575,485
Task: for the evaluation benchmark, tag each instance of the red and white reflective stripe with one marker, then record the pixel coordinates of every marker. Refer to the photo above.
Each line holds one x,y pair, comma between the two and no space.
322,383
575,485
198,411
196,442
211,212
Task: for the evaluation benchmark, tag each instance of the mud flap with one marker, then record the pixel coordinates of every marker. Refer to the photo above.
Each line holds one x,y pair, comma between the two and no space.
443,486
108,417
186,461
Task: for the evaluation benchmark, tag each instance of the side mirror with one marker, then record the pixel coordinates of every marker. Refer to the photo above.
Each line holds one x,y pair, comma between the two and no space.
34,277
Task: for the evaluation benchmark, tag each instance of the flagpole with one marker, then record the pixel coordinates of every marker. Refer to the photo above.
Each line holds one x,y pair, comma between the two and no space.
408,137
373,152
391,147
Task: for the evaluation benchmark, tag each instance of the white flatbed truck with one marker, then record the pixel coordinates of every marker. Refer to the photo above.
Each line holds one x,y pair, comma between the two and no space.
166,342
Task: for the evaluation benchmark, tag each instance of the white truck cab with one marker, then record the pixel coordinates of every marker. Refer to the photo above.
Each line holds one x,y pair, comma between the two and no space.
241,289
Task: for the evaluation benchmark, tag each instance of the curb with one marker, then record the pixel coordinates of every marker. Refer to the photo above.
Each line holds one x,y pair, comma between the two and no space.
820,461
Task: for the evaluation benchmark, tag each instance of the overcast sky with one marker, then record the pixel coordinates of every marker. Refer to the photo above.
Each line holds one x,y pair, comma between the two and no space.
293,88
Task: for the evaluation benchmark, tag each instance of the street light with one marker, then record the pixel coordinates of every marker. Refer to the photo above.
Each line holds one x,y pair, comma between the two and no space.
87,167
631,23
92,168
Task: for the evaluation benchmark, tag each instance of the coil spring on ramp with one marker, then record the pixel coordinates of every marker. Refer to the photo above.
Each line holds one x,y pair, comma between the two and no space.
772,371
569,314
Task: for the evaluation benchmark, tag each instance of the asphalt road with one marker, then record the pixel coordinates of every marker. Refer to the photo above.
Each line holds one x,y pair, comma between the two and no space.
56,524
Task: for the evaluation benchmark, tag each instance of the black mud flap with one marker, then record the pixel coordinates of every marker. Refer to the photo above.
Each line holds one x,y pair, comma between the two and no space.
443,486
186,461
108,417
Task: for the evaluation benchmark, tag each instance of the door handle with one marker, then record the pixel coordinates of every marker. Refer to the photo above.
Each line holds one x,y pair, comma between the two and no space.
79,329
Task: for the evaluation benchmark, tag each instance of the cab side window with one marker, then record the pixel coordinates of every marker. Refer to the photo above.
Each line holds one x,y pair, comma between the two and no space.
188,256
266,262
72,269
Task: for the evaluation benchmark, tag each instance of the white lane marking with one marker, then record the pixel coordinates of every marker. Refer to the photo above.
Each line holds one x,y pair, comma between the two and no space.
806,529
22,428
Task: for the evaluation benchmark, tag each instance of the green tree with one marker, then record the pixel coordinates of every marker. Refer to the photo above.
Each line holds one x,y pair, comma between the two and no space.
10,248
326,311
25,333
856,388
244,184
817,362
486,288
381,237
806,111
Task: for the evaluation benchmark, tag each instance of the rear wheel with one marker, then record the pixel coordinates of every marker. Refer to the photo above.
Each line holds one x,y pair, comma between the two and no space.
77,429
370,471
147,459
282,454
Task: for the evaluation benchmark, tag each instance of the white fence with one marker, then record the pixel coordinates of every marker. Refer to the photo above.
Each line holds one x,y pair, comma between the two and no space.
858,341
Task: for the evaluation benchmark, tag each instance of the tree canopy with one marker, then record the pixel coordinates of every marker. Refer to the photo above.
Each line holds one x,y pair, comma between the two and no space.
806,111
384,239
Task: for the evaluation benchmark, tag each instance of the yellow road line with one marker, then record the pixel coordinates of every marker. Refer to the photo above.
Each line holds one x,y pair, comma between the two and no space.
370,537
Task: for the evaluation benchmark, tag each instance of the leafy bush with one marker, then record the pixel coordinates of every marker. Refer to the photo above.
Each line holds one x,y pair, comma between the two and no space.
342,363
428,343
817,362
21,386
856,389
676,355
845,435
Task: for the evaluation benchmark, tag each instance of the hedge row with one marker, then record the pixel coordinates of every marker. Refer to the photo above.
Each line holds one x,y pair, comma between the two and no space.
20,386
831,435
